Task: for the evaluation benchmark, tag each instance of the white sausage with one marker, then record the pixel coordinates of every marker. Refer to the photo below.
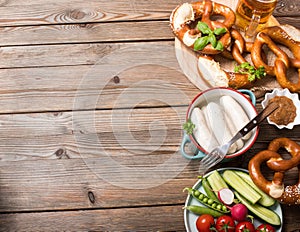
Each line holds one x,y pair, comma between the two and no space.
230,126
216,118
202,133
239,143
236,114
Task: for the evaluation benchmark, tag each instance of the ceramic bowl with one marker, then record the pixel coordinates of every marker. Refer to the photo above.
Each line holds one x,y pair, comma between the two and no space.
293,96
212,95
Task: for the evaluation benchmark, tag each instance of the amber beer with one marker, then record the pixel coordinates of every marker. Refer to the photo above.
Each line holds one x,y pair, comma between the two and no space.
252,15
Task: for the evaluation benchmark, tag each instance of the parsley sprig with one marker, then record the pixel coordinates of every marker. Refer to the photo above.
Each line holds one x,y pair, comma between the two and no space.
253,74
209,37
189,127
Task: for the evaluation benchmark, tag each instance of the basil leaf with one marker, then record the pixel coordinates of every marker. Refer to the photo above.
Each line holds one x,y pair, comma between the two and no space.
200,43
219,31
203,27
219,46
212,39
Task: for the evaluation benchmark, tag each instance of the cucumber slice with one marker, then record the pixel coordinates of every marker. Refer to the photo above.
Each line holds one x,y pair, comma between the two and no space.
216,182
239,185
265,214
265,200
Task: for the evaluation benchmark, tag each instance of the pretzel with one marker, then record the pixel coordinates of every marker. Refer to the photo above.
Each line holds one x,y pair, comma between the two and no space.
282,62
289,194
184,17
237,48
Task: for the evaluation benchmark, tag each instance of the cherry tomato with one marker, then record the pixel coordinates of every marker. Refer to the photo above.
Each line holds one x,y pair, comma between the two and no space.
245,227
265,228
225,223
205,222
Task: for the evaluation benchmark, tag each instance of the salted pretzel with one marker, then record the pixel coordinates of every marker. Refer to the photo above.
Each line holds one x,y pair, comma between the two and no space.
270,36
289,194
184,17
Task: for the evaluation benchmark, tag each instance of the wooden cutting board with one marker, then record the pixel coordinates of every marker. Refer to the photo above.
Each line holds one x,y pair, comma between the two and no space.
188,59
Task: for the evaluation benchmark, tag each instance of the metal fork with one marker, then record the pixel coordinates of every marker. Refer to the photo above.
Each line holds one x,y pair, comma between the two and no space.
218,154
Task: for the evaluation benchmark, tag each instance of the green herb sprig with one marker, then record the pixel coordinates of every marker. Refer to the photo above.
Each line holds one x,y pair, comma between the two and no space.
253,73
209,37
189,127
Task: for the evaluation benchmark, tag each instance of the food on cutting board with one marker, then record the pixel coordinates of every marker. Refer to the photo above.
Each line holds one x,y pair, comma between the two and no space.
245,209
217,122
185,15
193,24
286,194
286,112
270,36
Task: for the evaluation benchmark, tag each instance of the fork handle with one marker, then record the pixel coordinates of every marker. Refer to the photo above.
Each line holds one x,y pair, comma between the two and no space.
258,119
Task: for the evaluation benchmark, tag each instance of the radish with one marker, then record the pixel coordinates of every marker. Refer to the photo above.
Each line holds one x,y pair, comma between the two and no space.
239,212
226,196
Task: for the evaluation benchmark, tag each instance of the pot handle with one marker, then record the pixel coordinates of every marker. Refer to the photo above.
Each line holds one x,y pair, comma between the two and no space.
186,140
250,94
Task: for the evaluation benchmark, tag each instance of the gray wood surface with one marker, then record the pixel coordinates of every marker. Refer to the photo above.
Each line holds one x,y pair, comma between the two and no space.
85,148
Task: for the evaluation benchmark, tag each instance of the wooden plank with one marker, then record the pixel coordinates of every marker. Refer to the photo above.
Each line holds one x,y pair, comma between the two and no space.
287,8
159,218
91,133
124,76
66,54
77,184
85,33
167,218
38,12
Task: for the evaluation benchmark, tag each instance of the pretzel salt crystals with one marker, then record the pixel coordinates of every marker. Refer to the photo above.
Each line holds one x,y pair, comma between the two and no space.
282,62
184,20
289,194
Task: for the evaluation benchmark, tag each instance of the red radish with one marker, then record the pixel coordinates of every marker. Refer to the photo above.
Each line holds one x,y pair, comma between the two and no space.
239,212
226,196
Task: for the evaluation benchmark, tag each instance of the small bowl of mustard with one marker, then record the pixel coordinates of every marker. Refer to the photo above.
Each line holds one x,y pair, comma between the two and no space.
287,115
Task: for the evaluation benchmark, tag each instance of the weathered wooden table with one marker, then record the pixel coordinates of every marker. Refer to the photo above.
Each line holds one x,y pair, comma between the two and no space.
91,107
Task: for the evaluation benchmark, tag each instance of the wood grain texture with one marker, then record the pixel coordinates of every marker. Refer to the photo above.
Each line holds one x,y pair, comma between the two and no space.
85,33
50,89
92,106
287,8
168,218
68,184
78,134
295,21
37,12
